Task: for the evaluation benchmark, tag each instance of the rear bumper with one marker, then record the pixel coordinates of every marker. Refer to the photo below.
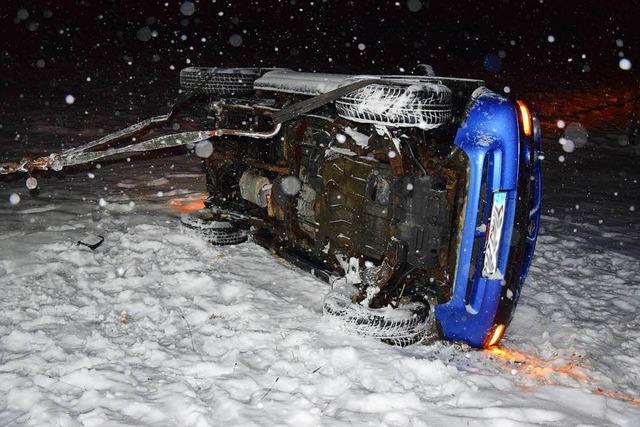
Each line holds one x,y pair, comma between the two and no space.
499,221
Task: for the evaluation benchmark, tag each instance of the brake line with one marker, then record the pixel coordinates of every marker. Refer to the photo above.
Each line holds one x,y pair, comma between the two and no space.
144,124
58,161
79,156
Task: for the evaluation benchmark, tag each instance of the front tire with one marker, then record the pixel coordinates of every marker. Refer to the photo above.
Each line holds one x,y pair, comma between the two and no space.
402,326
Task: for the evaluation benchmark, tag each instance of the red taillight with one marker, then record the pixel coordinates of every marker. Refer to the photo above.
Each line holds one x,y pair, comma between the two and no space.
526,119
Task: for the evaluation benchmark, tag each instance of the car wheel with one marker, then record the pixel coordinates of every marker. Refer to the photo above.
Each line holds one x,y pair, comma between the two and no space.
402,326
219,233
426,105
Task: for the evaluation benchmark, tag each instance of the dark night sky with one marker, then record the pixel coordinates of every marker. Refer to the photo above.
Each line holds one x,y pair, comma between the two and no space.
505,41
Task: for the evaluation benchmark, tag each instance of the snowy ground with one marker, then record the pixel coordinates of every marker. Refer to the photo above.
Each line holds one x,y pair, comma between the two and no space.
156,327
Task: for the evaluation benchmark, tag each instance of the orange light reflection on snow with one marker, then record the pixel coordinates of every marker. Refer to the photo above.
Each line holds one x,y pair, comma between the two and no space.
536,368
187,204
542,371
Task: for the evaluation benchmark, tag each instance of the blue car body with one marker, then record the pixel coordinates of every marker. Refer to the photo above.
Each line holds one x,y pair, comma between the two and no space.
500,157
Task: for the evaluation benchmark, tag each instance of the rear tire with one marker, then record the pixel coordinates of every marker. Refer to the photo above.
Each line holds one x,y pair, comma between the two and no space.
219,233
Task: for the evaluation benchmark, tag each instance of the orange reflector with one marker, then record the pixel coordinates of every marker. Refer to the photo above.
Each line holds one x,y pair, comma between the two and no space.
525,118
496,335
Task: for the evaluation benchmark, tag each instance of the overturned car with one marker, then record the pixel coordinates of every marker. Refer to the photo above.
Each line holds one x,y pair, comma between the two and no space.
420,193
416,197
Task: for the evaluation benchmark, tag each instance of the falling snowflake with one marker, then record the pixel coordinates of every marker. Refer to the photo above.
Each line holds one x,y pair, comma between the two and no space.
235,40
567,145
625,64
32,183
291,185
204,149
144,34
187,8
414,5
22,14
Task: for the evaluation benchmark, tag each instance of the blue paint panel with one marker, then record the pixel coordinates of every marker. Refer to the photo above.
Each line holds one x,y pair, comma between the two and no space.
491,132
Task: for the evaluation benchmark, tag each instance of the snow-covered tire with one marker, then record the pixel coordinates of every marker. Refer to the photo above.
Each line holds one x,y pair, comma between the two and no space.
219,233
403,326
218,81
425,105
